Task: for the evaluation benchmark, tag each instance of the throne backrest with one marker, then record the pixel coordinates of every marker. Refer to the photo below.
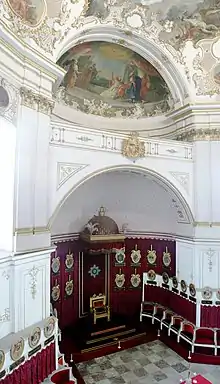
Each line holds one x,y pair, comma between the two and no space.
97,301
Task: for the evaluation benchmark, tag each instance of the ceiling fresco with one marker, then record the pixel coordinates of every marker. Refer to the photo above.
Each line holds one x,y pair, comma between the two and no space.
115,77
31,12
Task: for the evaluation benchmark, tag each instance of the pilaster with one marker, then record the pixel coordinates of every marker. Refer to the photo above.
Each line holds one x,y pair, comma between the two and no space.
31,288
32,171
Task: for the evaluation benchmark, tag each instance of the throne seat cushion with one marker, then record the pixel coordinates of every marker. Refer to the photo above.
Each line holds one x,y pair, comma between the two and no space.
101,310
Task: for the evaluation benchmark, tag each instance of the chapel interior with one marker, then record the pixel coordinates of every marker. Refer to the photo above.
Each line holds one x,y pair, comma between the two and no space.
109,198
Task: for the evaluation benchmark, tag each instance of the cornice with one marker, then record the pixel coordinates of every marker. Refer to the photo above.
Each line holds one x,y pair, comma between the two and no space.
35,101
19,48
199,134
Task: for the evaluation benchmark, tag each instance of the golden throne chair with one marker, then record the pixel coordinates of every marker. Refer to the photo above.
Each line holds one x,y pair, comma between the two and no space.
98,307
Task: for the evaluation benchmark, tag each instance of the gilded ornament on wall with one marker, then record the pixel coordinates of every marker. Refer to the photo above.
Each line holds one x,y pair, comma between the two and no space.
17,349
34,337
55,264
2,359
49,327
151,255
135,256
69,287
166,258
133,147
69,261
31,12
120,257
120,280
135,279
55,294
175,282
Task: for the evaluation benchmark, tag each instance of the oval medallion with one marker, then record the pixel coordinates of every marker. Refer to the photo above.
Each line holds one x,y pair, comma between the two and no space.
49,327
175,282
31,12
17,349
151,275
192,290
183,286
34,337
2,359
165,278
207,293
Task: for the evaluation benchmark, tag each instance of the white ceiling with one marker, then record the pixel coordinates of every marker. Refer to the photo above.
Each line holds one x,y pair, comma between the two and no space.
129,198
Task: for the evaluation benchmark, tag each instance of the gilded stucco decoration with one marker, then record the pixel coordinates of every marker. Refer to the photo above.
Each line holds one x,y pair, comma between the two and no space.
45,22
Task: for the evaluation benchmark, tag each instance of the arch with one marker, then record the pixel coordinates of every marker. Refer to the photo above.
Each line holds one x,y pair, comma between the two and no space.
160,58
153,175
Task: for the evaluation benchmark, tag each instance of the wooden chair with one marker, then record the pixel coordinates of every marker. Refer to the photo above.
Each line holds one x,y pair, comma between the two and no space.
98,307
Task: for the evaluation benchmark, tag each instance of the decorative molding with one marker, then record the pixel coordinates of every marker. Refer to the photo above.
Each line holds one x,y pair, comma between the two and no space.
210,254
182,178
5,316
33,283
34,101
199,135
6,275
67,170
9,110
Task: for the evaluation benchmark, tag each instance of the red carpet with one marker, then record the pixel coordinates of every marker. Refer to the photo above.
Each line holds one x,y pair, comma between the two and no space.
200,380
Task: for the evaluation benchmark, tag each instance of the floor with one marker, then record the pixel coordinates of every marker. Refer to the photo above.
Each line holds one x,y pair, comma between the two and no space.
148,363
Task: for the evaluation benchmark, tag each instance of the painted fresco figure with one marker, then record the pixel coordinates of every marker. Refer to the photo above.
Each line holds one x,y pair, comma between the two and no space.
72,74
138,82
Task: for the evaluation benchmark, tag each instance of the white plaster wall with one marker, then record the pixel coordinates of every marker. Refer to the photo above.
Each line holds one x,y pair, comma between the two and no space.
6,302
31,285
7,170
96,159
131,199
198,262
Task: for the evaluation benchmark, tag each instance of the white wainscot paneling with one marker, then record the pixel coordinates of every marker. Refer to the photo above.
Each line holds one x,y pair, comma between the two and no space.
5,302
210,268
34,295
185,262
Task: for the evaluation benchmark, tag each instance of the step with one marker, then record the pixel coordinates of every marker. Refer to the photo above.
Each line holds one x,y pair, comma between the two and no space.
108,330
114,342
112,336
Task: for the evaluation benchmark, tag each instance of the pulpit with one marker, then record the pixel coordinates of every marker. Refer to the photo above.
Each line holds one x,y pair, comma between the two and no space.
98,307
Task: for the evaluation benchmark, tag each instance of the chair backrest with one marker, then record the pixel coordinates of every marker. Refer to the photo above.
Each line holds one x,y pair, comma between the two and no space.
177,320
159,309
188,327
97,301
204,332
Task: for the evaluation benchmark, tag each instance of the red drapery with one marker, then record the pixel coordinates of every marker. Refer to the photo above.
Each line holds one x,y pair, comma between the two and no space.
176,303
210,316
35,370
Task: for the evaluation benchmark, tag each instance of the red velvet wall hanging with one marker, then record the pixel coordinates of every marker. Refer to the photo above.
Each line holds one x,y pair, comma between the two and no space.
64,282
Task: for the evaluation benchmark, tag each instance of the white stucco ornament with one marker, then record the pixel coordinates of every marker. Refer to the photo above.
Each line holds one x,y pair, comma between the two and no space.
134,21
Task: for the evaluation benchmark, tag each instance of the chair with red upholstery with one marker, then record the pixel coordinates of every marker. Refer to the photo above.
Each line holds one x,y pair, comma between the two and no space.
158,313
217,335
167,318
205,337
186,332
175,324
147,309
62,376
